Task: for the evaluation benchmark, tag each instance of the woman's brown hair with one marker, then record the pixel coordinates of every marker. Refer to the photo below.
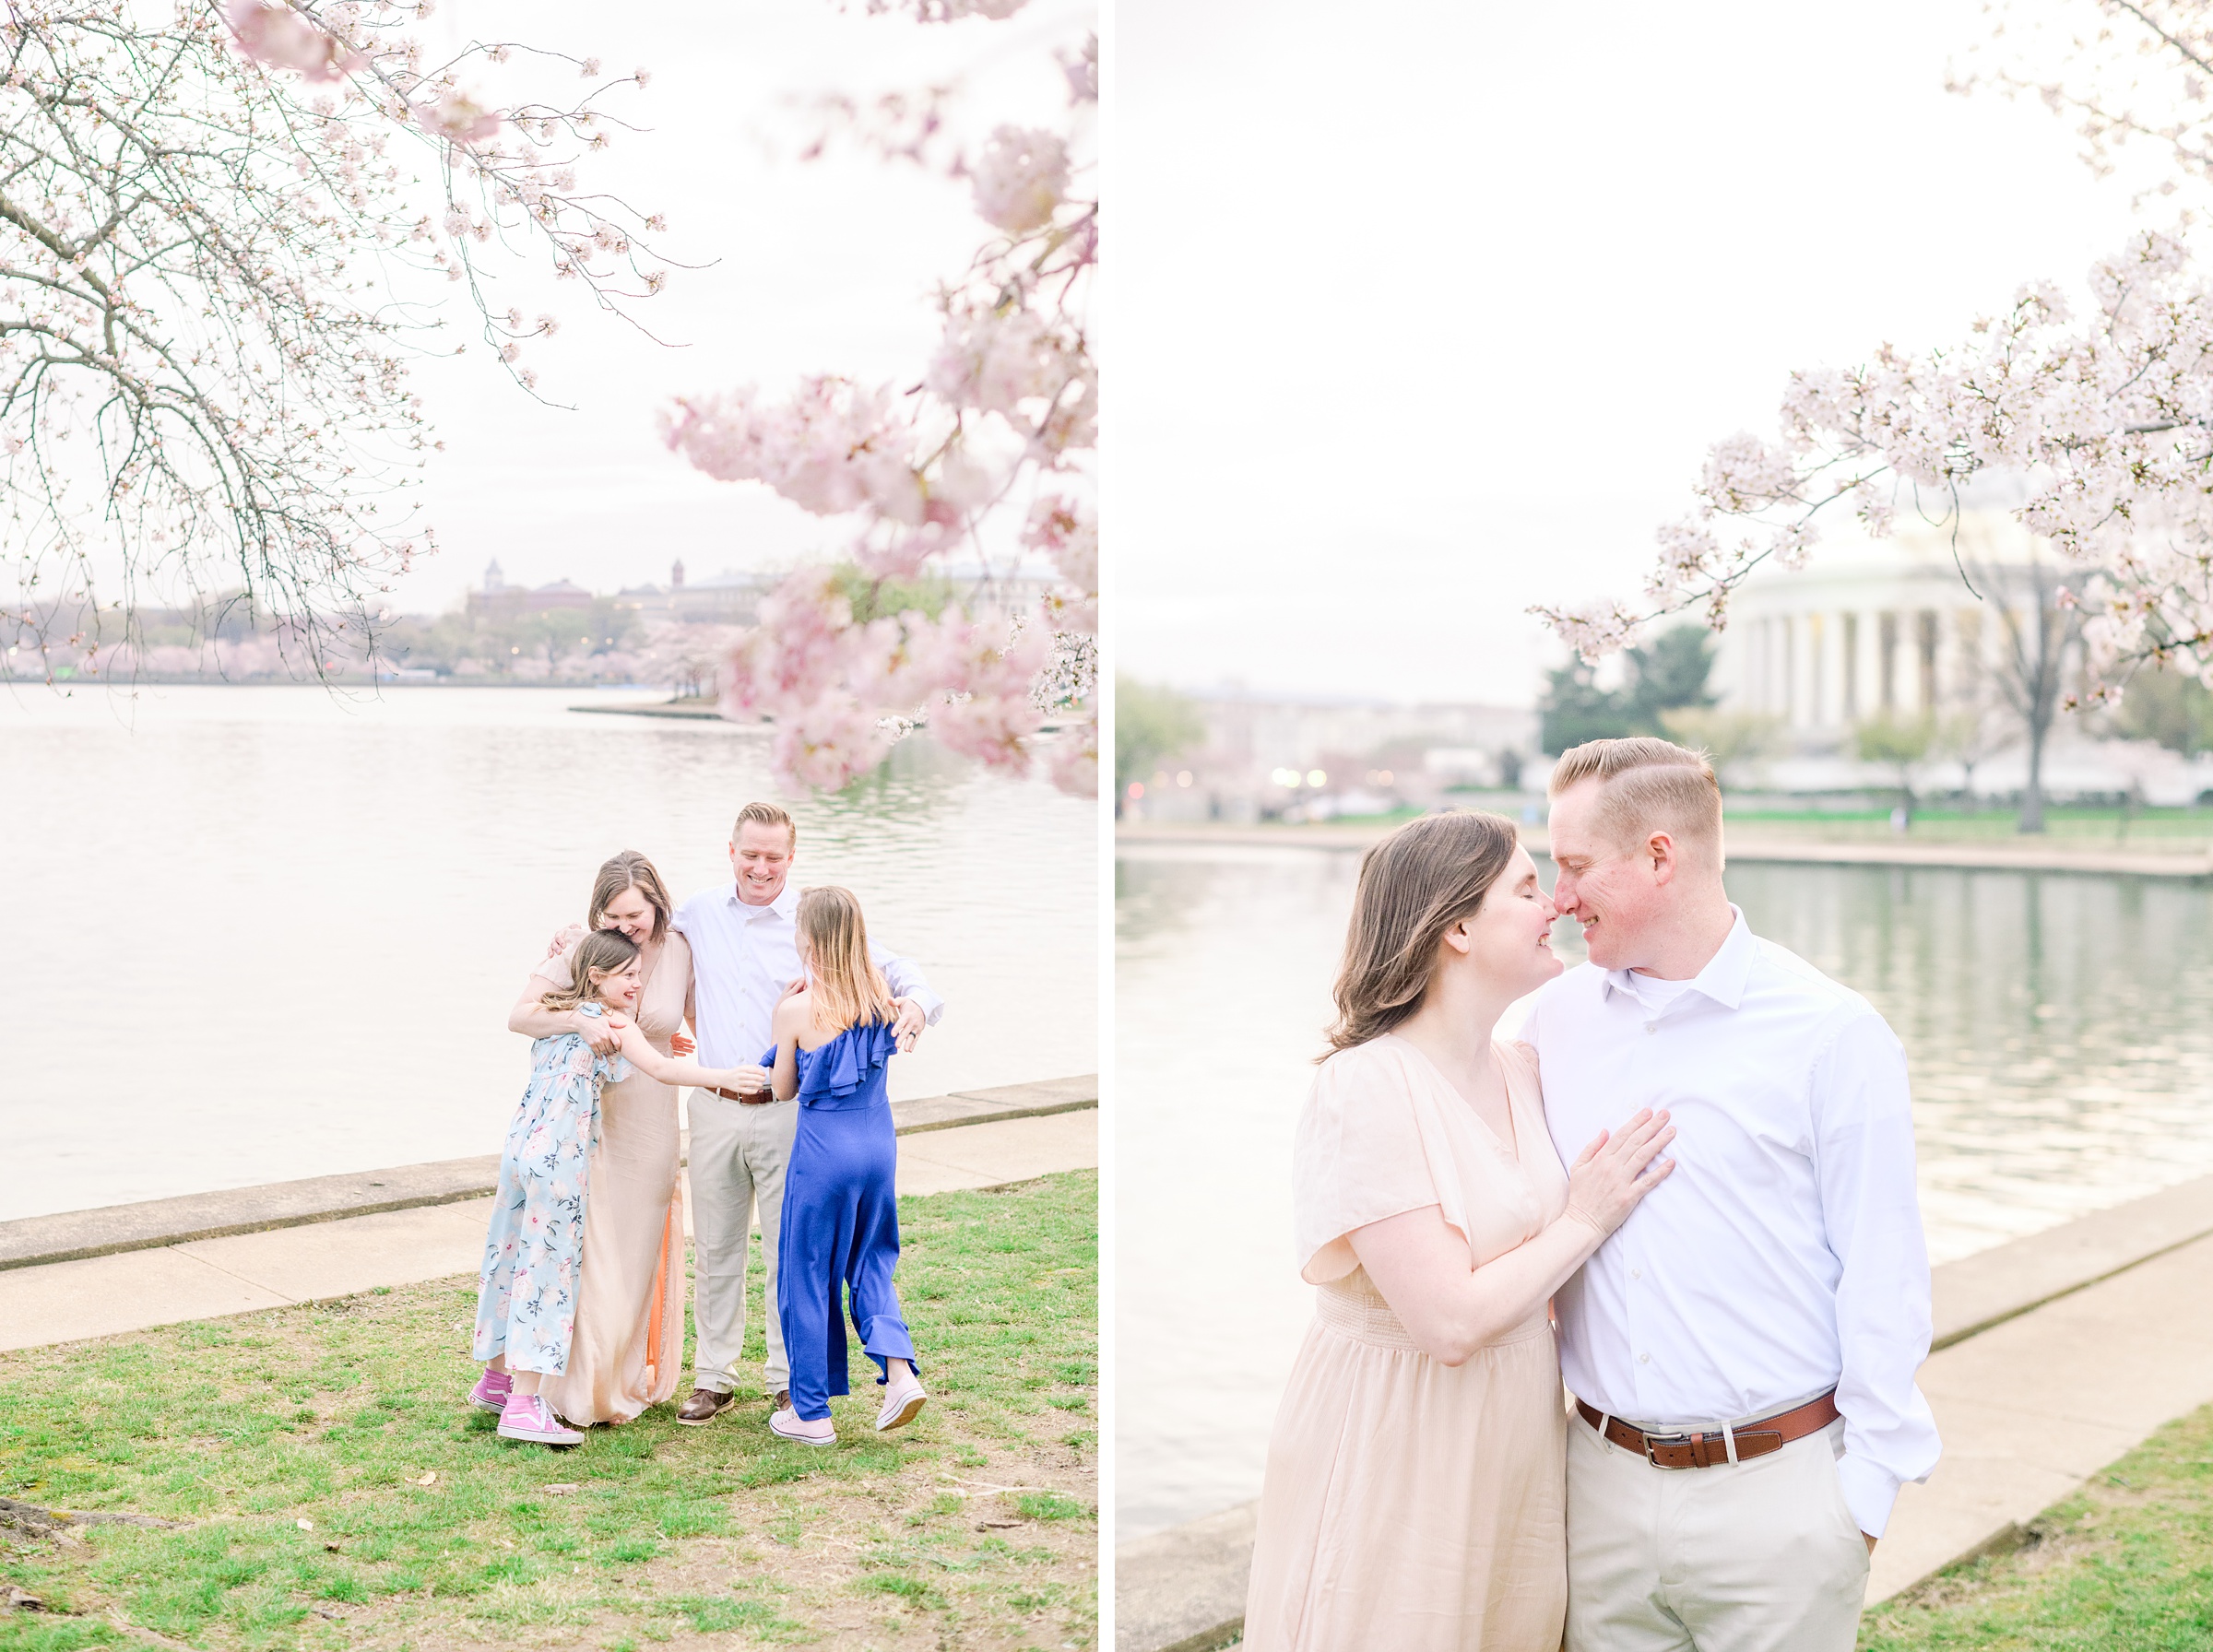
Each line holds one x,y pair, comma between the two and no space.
608,951
1415,885
631,870
845,983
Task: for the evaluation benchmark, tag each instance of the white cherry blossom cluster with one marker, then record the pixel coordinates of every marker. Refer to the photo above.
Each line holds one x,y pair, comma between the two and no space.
2105,416
987,457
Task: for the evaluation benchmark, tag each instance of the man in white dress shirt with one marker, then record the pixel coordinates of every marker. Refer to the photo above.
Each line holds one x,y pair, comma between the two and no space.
1742,1350
743,956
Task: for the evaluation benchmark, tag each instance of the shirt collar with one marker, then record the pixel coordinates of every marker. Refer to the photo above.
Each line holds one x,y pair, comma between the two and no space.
1723,979
784,905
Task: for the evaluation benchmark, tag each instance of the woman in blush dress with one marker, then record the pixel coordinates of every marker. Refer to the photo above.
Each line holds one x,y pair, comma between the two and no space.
1416,1474
834,1039
628,1350
528,1289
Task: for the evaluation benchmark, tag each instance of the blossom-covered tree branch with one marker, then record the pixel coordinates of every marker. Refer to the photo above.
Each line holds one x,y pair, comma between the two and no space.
2107,419
984,460
209,255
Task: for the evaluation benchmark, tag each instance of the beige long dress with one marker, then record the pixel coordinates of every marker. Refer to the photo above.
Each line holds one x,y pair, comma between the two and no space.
1411,1504
627,1349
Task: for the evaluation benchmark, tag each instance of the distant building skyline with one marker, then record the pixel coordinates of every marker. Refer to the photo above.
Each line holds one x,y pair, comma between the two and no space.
730,597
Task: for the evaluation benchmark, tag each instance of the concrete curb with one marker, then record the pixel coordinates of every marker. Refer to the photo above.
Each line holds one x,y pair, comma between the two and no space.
694,714
1183,1589
1986,1289
73,1235
1744,843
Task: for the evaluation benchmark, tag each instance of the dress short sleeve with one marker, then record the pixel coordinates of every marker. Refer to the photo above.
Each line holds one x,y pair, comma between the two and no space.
1359,1158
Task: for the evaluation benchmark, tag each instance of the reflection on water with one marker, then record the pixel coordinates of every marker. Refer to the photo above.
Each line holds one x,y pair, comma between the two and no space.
2059,1028
278,935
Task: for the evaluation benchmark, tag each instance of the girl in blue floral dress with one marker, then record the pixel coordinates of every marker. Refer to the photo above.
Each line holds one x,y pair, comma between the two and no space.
534,1253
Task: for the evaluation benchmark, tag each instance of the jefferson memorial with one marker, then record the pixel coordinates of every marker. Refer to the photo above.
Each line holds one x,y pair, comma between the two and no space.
1917,622
1921,622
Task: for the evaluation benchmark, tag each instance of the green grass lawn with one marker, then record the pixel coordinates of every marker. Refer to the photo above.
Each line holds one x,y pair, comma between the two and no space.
2127,1566
331,1487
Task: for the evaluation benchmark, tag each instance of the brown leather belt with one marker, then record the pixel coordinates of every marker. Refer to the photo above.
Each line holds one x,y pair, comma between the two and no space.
1703,1450
755,1100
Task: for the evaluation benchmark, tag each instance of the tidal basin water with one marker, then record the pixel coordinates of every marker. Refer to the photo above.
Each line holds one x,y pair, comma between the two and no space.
2059,1030
260,933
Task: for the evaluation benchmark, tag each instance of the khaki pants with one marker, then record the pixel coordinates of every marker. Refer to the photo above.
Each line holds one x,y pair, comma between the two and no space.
738,1155
1759,1556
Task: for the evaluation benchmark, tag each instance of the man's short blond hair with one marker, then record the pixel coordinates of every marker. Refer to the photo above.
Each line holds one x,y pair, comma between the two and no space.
1648,785
766,814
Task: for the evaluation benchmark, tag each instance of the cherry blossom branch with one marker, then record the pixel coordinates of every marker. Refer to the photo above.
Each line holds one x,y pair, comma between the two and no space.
205,243
2102,421
1006,409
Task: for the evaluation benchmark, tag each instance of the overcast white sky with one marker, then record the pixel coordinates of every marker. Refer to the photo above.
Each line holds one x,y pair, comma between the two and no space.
816,268
1423,313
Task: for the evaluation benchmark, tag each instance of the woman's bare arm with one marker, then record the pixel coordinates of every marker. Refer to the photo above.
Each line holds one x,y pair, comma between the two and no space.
1420,1263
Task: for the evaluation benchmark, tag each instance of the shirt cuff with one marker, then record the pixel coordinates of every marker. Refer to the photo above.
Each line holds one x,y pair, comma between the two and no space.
1869,1490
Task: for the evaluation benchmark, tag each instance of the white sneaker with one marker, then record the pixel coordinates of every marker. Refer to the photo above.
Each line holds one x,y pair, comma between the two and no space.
902,1403
787,1425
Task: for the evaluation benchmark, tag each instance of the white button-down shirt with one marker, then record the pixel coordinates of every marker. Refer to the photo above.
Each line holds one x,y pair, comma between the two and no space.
1784,1255
742,959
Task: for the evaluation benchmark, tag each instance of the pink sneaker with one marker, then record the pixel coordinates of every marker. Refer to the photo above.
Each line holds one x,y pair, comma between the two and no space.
527,1419
492,1390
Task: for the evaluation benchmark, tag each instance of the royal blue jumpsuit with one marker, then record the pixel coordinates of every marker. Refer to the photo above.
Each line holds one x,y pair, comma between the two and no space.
841,1216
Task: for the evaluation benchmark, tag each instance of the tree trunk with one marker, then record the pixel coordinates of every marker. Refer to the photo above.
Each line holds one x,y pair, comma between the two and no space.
2033,796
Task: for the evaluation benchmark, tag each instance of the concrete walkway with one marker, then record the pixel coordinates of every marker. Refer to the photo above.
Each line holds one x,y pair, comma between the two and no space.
2054,1355
2146,856
129,1267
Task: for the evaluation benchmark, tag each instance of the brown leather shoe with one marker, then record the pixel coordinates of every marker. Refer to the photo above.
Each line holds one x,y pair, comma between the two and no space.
702,1406
783,1400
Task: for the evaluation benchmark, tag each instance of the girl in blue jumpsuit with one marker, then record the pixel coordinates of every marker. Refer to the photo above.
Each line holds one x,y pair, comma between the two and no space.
834,1041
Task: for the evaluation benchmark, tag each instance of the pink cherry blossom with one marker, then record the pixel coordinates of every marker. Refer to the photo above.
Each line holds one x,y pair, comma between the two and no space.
1021,178
273,33
996,359
835,446
947,11
953,468
459,117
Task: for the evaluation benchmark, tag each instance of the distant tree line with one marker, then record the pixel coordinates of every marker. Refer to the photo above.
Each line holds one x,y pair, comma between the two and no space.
1667,675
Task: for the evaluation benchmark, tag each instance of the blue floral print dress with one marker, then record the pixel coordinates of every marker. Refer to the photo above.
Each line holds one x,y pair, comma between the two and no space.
534,1254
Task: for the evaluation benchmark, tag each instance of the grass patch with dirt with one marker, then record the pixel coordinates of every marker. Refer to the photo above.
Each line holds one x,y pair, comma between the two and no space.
2125,1566
330,1487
